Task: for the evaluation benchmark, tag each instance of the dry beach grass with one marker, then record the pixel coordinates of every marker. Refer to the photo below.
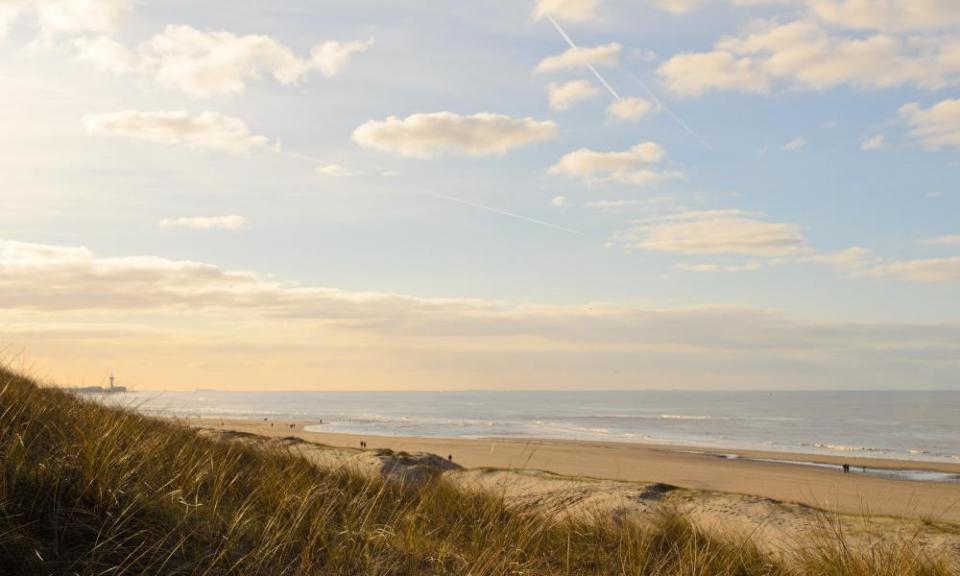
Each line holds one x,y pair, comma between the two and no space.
86,489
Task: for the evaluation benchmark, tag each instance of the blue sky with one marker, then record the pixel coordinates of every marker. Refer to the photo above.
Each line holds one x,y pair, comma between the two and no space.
798,159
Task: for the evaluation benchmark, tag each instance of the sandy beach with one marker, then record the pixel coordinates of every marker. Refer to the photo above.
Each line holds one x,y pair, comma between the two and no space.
691,468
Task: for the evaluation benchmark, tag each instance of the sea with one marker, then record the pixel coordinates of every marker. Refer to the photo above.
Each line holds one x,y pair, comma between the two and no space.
907,425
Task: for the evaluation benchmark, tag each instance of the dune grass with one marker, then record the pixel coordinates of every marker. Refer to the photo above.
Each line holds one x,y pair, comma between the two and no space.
92,490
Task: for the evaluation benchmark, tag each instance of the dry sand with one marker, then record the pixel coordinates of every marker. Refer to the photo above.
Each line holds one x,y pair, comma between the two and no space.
775,502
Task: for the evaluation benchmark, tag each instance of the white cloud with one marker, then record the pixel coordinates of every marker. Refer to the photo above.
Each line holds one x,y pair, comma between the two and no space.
888,15
334,170
710,267
630,108
795,144
207,131
558,201
935,127
202,63
211,63
8,15
566,94
928,271
947,240
78,16
851,258
631,166
863,262
232,222
581,57
383,339
882,15
714,232
57,18
692,74
567,10
875,142
804,55
331,56
106,54
677,6
433,134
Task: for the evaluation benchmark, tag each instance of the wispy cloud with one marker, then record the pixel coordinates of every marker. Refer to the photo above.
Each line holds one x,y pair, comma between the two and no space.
923,271
383,340
946,240
806,55
631,166
888,16
712,232
850,259
334,170
935,127
713,267
68,18
795,144
206,131
217,63
875,142
437,133
232,222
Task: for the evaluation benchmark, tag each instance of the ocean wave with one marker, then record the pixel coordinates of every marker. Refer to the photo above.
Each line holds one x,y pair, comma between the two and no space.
683,417
844,448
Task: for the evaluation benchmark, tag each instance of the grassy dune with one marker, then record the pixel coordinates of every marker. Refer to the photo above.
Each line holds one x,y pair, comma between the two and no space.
88,490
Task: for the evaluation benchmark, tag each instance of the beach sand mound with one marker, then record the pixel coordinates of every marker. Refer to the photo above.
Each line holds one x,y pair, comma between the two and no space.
412,469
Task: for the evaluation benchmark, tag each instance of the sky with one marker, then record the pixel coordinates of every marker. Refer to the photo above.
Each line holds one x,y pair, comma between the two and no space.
501,194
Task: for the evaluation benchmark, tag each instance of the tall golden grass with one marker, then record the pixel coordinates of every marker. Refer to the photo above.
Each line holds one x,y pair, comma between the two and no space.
91,490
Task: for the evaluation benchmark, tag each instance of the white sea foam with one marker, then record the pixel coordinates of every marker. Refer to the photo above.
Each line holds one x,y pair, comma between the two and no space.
914,426
844,448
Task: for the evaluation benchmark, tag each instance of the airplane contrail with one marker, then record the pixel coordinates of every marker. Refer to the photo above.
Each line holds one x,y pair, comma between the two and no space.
589,64
505,213
683,123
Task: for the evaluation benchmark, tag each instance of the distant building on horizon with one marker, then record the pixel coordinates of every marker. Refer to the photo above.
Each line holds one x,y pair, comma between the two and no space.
112,389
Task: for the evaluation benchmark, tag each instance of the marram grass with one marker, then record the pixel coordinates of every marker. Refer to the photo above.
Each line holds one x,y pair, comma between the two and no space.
91,490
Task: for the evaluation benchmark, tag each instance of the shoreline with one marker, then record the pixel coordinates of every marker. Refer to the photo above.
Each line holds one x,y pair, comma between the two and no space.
720,423
763,474
787,457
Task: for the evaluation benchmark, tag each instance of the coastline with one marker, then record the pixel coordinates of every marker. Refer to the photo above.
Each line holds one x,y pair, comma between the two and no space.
777,476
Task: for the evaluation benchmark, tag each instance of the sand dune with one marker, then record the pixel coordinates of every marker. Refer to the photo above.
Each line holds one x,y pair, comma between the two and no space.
772,502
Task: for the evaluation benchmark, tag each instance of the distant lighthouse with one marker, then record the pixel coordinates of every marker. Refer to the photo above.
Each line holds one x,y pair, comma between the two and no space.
113,389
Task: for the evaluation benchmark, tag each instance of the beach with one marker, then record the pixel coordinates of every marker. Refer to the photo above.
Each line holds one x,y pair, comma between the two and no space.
754,474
